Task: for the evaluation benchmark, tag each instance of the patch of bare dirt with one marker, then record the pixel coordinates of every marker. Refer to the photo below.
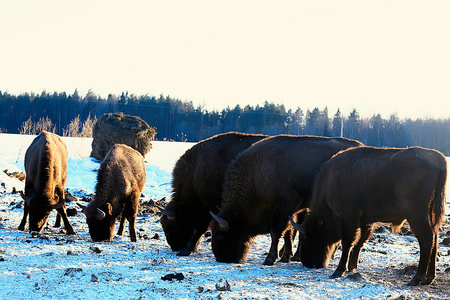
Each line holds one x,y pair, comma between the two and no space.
18,175
152,207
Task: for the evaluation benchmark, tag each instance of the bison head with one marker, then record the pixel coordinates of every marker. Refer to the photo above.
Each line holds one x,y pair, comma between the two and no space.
40,209
230,240
38,216
319,241
100,221
178,224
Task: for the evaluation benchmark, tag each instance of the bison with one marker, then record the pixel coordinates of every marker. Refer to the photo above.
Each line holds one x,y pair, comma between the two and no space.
265,184
120,181
197,182
358,187
46,174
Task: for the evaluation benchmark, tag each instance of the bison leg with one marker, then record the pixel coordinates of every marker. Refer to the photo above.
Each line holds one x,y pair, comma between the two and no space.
427,241
25,216
273,252
60,193
349,234
26,209
62,212
278,225
287,247
132,227
129,212
296,256
300,218
366,233
200,228
431,273
193,243
58,220
122,224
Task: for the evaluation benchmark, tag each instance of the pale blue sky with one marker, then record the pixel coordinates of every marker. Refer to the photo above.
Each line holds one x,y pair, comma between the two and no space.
376,56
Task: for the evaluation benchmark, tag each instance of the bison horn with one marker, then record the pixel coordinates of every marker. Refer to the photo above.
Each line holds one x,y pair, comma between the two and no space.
25,198
222,222
100,215
169,213
57,205
297,226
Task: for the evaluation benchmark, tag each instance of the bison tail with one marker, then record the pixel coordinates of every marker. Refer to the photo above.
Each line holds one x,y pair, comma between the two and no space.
437,209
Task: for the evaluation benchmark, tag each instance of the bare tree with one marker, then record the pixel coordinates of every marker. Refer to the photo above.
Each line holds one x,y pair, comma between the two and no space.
73,128
27,127
88,126
45,124
76,128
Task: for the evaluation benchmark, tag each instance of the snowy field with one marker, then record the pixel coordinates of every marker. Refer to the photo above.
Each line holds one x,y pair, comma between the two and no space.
57,266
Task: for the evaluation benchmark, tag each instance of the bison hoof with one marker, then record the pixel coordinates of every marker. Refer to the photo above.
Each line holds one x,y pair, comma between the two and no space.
295,258
352,268
421,280
35,234
427,281
269,262
416,280
285,260
336,274
184,252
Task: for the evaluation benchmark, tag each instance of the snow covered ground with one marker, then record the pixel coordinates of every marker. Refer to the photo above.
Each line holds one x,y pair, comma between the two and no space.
56,266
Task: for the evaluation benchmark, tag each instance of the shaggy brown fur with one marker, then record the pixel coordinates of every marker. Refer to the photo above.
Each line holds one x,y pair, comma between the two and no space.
266,184
46,173
120,181
197,185
361,186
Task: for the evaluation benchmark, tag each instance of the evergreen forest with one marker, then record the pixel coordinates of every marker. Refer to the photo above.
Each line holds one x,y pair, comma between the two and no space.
178,120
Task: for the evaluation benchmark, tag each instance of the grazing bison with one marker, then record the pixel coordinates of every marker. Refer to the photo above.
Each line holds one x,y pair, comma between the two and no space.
358,187
46,173
120,181
265,184
197,182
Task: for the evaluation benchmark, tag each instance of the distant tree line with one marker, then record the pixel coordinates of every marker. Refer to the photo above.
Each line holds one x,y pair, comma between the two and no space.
179,120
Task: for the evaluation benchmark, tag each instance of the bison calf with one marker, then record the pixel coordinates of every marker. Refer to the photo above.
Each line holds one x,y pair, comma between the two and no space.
265,184
361,186
120,181
46,174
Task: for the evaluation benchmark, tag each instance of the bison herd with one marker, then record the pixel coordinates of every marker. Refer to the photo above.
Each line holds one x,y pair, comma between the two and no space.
330,191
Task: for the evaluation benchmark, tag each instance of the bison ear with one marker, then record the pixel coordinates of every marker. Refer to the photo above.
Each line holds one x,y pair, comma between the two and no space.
222,222
109,209
299,227
306,211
